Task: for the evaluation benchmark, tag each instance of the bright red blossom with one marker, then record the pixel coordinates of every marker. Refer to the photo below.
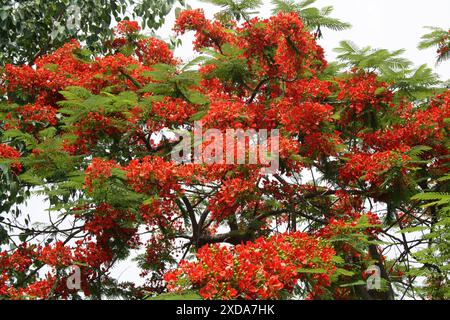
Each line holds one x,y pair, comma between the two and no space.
263,269
98,172
127,27
9,153
372,167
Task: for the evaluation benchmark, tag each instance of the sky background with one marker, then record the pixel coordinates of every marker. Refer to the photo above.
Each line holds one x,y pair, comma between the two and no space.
388,24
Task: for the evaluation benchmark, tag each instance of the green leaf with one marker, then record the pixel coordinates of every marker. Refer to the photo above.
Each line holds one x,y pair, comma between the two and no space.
27,138
31,179
189,295
413,229
316,270
118,173
196,97
337,260
47,133
344,272
357,283
199,115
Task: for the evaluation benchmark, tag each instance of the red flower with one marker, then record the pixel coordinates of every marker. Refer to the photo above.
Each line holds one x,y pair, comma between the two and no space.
9,153
36,116
127,27
98,172
363,91
153,51
263,269
190,20
372,167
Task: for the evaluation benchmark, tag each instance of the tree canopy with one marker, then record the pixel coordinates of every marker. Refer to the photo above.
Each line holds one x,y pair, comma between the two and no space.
361,184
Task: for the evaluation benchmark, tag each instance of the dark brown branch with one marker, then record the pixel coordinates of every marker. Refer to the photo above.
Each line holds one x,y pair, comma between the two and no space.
232,237
256,90
191,212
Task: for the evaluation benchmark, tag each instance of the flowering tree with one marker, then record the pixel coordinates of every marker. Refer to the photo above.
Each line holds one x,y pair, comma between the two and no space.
94,136
32,28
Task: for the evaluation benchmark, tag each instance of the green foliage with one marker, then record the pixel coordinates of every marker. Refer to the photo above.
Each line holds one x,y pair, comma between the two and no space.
370,59
435,257
315,19
238,9
404,79
440,198
416,84
230,66
186,295
436,38
29,29
176,84
79,104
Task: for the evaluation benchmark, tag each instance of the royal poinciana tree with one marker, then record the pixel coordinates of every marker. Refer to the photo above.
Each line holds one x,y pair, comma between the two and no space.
358,139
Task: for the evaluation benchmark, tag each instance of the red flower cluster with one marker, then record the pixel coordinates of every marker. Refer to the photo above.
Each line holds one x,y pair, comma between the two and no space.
149,50
152,51
107,224
372,167
62,68
363,91
308,90
369,223
190,20
153,175
57,255
346,205
235,193
126,27
92,254
444,45
156,248
320,144
35,117
98,172
20,260
9,153
263,269
91,129
420,127
304,118
170,112
40,289
230,114
280,46
209,34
